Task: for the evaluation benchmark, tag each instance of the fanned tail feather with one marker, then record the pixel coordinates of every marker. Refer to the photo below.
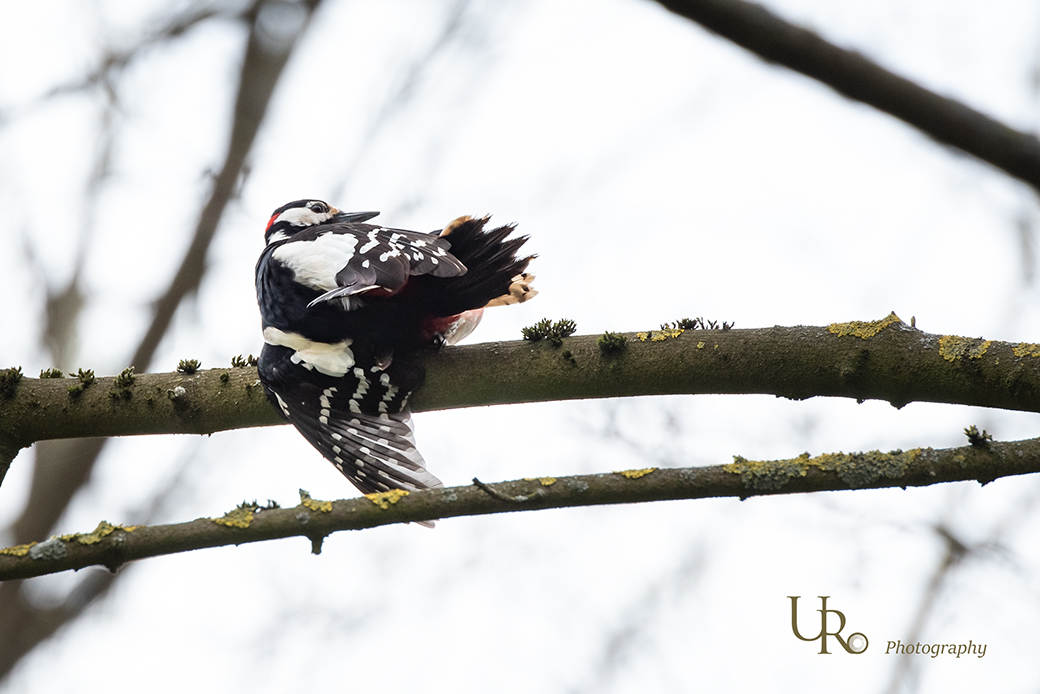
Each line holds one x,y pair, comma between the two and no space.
494,276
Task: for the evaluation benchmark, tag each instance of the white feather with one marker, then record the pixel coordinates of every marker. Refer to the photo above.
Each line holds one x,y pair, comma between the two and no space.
334,359
303,217
315,263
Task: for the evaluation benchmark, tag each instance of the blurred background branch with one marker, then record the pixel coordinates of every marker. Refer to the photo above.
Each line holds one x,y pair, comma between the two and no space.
62,468
855,76
651,164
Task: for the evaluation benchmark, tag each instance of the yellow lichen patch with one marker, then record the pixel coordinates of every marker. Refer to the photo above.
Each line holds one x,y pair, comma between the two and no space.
17,550
636,474
659,335
103,530
863,329
855,469
1026,349
700,345
952,347
546,481
314,504
768,475
241,517
384,499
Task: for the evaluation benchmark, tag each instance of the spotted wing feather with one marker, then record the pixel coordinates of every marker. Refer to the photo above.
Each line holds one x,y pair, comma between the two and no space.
359,422
370,257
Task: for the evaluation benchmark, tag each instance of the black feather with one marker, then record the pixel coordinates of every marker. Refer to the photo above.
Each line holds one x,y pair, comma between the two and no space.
491,264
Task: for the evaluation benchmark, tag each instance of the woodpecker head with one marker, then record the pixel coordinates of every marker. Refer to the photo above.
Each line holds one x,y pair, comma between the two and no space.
296,216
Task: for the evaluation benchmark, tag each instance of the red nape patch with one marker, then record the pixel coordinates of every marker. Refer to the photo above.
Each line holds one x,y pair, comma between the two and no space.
270,221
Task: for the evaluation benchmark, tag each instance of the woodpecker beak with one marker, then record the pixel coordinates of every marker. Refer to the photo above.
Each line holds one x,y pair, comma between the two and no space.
352,216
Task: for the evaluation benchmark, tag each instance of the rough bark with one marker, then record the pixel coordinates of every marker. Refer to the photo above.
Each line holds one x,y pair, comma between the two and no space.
879,360
112,546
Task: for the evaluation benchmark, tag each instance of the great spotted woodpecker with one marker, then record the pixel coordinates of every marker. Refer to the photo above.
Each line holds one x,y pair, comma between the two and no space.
344,302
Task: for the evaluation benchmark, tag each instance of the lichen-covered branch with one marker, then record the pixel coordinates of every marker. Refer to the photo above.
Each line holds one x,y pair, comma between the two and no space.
882,360
112,546
851,74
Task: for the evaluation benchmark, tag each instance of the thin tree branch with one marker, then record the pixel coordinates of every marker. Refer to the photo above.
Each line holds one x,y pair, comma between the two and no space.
401,97
112,546
265,56
851,74
272,39
954,553
62,467
27,624
264,59
114,61
880,360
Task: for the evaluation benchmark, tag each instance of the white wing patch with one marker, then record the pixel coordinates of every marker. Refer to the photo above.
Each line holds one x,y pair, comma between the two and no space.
315,263
334,359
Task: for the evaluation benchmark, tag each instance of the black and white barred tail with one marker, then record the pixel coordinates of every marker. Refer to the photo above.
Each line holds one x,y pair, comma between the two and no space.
359,421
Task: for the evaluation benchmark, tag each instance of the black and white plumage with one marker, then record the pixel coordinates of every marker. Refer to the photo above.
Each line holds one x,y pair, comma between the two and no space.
344,302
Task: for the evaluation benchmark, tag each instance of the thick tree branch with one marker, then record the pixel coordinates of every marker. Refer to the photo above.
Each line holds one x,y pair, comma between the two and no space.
948,121
113,546
880,360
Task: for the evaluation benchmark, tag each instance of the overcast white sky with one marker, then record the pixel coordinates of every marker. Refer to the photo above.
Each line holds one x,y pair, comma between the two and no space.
661,172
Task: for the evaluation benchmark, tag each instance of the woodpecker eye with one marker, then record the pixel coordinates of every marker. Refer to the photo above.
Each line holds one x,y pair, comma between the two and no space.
319,208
